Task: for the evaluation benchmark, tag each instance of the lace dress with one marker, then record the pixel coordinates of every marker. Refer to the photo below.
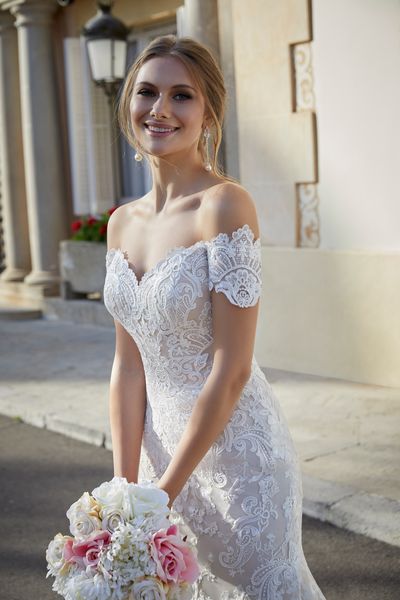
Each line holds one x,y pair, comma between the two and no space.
242,504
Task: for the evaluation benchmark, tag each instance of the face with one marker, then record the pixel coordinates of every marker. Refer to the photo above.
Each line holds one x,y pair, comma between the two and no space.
167,108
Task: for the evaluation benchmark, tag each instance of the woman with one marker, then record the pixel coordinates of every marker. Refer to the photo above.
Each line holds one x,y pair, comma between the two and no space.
183,285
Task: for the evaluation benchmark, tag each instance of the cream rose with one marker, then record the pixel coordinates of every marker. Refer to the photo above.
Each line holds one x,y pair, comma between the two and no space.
112,518
55,554
148,589
83,516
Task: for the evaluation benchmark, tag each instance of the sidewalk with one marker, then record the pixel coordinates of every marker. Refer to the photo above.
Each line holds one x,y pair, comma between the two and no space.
55,374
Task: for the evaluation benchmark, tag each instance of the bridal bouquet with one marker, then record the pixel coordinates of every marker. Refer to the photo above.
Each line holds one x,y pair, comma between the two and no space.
122,547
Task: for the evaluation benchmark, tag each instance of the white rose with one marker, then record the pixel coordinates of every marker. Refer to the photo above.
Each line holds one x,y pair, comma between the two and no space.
54,554
82,517
112,518
84,503
147,498
114,495
148,589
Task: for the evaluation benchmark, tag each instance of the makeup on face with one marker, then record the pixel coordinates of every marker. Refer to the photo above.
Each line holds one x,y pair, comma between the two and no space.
164,104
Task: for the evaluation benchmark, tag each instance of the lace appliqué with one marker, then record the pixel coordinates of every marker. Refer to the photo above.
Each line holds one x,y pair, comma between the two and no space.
235,266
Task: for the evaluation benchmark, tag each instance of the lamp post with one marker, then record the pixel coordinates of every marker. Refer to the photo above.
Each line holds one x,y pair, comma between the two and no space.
107,47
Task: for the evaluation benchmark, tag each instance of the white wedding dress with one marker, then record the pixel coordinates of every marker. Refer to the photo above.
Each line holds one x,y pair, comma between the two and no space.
243,502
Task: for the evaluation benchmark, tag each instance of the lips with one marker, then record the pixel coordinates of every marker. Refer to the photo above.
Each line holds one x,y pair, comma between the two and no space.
159,129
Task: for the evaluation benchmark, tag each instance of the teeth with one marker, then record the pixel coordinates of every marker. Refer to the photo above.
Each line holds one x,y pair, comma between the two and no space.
159,128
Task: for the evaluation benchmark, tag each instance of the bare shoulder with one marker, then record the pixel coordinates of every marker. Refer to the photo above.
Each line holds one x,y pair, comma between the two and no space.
114,226
227,207
119,219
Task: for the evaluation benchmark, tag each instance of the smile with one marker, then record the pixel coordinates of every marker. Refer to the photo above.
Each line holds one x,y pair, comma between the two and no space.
160,131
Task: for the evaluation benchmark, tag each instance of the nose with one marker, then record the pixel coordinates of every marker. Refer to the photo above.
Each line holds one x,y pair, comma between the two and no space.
160,106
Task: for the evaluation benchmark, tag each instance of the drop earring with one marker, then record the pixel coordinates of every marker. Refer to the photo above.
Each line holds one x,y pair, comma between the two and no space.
207,164
138,156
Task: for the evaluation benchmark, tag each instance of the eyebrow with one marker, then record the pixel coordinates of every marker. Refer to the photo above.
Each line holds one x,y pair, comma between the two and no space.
179,85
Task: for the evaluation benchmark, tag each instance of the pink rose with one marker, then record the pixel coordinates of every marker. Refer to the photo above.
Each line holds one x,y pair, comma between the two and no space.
86,553
174,559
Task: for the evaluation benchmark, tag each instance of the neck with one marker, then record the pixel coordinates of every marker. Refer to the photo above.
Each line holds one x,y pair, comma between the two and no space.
177,176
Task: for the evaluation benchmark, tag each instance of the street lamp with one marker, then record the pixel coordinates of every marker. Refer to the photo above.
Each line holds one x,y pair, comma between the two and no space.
106,42
107,46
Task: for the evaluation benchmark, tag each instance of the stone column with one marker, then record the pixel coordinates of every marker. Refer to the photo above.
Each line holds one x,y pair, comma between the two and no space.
15,220
199,19
44,176
227,61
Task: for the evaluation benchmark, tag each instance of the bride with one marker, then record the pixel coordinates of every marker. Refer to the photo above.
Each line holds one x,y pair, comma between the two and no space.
190,407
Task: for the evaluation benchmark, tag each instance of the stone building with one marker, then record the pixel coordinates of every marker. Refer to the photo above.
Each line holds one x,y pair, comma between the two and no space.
311,131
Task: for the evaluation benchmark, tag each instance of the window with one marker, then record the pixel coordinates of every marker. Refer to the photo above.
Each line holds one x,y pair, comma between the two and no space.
89,133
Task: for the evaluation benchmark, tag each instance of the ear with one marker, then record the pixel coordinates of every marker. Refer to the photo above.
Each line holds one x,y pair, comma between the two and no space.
207,121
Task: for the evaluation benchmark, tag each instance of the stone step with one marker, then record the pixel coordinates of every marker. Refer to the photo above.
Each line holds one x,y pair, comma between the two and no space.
19,313
85,312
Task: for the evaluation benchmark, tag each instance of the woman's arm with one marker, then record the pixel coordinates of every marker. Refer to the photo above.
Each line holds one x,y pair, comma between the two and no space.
234,330
211,413
127,398
127,405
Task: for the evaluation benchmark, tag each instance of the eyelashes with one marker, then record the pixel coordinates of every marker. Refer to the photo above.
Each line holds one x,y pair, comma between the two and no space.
180,96
185,96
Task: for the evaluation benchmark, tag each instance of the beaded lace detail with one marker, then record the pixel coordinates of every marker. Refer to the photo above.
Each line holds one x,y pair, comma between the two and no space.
242,503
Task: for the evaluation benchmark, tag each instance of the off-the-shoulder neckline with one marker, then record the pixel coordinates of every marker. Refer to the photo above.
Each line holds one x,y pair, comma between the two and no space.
226,237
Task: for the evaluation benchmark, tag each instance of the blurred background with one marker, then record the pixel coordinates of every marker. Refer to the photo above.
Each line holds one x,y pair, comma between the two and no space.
312,130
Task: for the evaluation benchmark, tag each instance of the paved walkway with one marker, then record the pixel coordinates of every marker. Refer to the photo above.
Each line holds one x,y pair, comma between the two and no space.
345,565
55,374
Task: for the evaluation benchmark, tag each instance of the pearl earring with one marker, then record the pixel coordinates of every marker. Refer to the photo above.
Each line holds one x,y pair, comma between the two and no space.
207,165
138,156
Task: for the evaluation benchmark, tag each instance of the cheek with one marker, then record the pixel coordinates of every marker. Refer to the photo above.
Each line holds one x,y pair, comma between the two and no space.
136,110
192,116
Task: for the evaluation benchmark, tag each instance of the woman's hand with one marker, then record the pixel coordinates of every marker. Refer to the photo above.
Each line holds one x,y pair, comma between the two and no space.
171,496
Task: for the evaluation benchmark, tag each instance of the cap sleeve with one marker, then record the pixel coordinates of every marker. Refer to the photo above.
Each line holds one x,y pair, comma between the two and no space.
235,266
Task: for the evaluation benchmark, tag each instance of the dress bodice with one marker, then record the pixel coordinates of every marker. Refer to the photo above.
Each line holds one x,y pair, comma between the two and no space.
169,311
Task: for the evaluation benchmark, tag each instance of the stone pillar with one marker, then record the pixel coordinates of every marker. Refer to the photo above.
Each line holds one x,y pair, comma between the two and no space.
226,47
44,176
199,19
14,212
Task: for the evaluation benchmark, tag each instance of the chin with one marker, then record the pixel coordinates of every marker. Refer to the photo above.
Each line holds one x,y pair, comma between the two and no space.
164,153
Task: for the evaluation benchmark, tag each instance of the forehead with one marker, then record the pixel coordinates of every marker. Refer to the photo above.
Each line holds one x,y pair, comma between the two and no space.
165,71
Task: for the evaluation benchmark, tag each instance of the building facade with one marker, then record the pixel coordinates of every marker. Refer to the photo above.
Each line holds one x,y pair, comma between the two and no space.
311,131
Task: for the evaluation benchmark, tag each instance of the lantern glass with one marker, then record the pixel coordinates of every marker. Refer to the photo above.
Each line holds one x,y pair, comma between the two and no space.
107,59
120,50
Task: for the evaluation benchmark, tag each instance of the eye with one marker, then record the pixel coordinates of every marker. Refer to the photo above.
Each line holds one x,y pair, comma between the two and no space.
181,96
145,92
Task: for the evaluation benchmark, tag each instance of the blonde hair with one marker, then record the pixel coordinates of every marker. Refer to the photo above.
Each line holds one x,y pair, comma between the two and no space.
205,71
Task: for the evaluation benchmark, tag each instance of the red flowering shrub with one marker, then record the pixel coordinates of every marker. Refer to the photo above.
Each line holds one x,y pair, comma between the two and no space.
91,228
